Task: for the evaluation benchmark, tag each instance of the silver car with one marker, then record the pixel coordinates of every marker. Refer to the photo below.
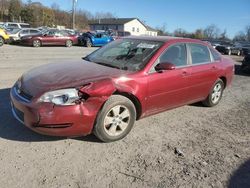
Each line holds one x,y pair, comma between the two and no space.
16,34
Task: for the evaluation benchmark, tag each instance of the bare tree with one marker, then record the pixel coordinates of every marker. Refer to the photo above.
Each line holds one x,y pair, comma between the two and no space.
181,33
211,32
248,32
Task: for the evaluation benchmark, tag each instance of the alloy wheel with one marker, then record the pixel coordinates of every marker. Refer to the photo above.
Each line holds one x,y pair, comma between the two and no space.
217,92
117,120
1,41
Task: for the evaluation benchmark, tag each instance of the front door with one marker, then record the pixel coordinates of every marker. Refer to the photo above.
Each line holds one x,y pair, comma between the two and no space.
168,89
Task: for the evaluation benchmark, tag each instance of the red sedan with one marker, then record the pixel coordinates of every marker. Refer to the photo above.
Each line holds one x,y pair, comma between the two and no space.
126,80
53,37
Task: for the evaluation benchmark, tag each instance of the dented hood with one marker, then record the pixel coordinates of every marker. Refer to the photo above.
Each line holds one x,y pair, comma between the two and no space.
65,75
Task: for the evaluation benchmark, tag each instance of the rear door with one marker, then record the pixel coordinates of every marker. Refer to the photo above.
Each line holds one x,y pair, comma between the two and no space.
204,72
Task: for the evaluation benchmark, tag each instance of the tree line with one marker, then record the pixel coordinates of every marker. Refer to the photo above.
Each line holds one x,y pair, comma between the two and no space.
211,32
37,14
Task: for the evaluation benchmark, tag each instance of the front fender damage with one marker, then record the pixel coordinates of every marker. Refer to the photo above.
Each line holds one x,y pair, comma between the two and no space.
103,89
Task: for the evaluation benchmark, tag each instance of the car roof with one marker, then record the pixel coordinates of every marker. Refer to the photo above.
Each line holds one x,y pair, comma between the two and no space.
165,39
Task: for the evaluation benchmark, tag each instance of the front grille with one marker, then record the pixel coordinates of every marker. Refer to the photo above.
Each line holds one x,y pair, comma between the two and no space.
23,94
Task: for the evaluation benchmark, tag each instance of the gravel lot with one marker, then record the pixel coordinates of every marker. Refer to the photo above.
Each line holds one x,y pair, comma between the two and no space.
215,142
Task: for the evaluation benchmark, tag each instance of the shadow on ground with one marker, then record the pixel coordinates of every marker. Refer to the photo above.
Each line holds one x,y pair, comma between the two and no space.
11,129
241,177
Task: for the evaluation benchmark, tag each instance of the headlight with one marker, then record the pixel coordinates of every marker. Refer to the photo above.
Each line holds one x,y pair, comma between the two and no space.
60,97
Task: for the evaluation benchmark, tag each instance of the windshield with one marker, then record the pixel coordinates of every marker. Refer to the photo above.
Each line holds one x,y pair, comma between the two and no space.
125,54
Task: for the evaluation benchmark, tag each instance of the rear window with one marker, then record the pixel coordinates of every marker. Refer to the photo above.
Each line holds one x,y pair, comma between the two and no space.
199,53
24,25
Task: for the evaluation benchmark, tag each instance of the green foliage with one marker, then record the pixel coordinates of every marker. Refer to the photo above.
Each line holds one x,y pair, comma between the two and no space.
27,15
15,8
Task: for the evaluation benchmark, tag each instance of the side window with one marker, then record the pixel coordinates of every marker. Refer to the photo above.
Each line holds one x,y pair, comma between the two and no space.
24,32
199,53
176,54
33,31
51,33
216,55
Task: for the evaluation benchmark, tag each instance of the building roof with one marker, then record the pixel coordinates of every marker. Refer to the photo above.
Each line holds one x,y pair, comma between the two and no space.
118,21
111,21
150,28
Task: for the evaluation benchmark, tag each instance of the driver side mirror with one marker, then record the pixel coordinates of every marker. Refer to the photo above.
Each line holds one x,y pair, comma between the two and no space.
164,66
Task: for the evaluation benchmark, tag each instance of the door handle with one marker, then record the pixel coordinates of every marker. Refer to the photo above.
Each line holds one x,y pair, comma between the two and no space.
214,67
184,73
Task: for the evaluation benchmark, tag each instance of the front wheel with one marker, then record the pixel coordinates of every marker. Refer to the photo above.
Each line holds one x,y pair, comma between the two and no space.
88,43
1,41
215,94
116,119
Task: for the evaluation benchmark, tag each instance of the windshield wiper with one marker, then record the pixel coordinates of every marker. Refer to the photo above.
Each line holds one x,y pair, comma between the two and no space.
107,65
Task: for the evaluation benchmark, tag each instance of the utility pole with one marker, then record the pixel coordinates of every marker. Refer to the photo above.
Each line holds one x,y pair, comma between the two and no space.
74,13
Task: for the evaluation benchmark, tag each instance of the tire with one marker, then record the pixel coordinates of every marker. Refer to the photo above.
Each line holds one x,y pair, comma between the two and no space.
215,94
115,120
88,43
69,43
36,43
1,41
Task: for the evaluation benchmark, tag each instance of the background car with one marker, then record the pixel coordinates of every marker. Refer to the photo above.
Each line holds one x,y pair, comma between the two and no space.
13,25
52,37
225,48
16,34
4,37
246,64
89,39
243,49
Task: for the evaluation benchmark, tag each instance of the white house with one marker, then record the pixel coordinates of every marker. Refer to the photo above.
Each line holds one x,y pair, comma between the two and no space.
132,25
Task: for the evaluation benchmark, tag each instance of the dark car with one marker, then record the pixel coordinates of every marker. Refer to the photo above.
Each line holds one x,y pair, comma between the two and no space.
243,49
225,48
124,81
90,39
246,64
52,37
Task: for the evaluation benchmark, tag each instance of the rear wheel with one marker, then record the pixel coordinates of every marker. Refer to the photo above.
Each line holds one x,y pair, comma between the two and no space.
116,119
215,94
69,43
1,41
36,43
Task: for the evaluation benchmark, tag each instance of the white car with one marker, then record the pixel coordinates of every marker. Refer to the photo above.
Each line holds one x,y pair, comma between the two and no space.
13,25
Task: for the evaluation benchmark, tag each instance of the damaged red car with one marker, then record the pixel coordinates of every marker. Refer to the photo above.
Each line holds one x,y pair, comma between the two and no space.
124,81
